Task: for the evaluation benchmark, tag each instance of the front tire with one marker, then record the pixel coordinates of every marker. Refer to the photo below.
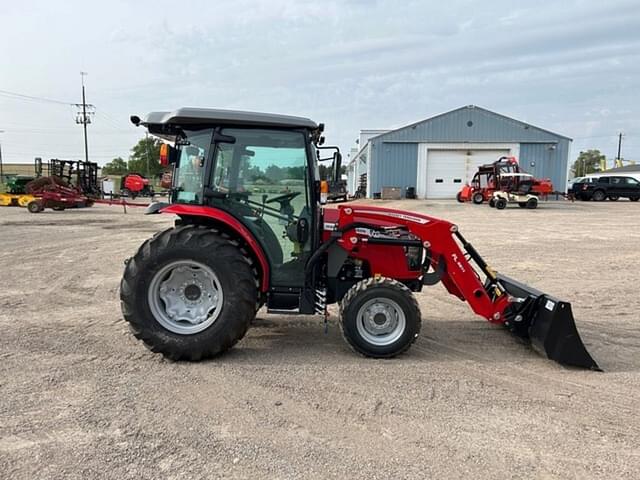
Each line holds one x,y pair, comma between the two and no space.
478,198
614,198
501,204
459,197
532,203
189,293
380,317
598,196
492,202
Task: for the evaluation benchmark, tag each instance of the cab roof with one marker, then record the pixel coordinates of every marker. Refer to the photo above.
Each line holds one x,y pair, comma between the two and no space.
193,116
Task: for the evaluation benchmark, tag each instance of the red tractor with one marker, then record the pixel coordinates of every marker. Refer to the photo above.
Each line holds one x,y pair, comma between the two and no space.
135,185
191,291
498,176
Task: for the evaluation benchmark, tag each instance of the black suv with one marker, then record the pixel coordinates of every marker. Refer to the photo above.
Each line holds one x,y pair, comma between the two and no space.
610,187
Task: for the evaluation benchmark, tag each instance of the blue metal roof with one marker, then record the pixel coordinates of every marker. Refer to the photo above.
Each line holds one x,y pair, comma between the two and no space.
470,124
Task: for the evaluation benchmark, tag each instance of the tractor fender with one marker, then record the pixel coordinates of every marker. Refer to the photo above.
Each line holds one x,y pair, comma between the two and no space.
233,224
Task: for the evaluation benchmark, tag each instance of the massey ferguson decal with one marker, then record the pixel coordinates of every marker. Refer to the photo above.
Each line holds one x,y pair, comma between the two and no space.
402,216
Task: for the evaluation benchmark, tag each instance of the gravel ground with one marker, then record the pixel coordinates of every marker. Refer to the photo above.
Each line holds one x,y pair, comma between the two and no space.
81,398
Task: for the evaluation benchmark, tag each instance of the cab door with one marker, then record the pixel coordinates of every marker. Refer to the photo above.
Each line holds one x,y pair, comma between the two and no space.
262,179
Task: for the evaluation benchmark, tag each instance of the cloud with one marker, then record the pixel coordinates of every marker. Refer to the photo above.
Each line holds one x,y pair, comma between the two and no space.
350,64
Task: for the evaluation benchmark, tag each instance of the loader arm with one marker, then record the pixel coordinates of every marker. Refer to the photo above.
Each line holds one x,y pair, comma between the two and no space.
543,320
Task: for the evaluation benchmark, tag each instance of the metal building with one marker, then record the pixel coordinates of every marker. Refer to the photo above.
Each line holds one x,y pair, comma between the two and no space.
438,155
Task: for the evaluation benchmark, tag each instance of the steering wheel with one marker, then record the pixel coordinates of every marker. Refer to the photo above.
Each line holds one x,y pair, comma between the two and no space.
287,197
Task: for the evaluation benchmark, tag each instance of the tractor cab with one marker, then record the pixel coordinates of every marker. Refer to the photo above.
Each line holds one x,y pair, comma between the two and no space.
261,169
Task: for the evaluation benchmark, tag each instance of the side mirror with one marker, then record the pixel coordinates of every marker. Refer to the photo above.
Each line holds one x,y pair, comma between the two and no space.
337,166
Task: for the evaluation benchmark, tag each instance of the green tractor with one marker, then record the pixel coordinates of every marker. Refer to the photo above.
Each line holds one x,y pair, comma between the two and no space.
16,184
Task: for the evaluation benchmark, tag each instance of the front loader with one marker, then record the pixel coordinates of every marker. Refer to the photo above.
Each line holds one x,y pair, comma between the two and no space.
252,231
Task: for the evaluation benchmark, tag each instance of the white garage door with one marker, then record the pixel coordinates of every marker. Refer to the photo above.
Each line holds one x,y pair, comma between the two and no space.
449,170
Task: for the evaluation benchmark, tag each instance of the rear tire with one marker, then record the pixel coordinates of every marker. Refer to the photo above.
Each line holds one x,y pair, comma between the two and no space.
492,202
532,203
598,196
501,204
380,317
522,204
226,294
634,199
34,206
478,198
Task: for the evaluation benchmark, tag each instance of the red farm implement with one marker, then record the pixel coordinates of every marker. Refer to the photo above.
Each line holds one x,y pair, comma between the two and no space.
55,193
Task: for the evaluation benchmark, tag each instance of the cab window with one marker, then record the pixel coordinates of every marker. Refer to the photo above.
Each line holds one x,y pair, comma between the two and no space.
194,147
261,178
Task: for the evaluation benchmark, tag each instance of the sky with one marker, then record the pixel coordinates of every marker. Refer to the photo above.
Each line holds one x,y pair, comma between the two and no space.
572,67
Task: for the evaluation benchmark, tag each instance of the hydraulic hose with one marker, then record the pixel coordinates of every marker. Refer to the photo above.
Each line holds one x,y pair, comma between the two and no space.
337,234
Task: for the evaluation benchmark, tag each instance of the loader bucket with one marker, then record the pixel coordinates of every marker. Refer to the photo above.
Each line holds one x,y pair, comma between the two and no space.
548,323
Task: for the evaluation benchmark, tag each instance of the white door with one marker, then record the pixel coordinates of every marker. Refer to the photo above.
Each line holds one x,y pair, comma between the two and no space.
446,173
449,170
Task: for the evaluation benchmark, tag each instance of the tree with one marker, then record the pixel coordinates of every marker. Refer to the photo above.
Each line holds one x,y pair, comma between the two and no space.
145,157
588,162
117,166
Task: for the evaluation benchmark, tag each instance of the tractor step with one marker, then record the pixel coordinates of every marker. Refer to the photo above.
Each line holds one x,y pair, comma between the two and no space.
281,311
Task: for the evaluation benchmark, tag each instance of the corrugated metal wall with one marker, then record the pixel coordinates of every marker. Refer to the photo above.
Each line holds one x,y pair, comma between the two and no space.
394,154
550,161
394,166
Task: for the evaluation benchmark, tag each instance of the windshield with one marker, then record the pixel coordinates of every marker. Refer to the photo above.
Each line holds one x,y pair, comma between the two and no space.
189,172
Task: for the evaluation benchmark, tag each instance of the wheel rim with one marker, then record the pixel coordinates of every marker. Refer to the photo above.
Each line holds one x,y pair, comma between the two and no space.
185,297
381,321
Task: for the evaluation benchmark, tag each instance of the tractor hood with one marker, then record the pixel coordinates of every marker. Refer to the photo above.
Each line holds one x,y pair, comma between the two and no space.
379,216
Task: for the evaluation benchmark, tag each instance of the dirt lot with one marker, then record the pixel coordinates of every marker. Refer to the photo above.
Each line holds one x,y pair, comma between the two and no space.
81,398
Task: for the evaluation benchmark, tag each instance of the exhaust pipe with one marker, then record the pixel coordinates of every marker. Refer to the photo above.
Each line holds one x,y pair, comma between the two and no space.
547,323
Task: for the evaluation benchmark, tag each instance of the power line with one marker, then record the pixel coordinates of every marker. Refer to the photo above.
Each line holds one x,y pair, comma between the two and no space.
22,96
42,131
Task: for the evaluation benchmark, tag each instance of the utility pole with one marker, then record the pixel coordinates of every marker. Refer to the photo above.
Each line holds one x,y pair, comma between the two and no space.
84,117
618,162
